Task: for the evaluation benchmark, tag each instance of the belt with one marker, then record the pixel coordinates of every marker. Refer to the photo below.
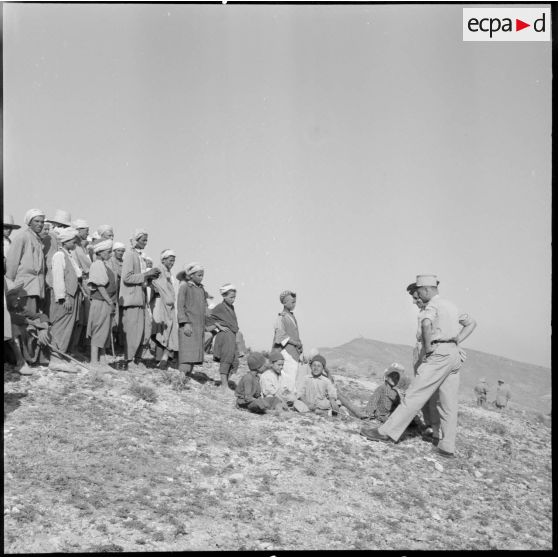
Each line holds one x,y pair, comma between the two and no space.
436,341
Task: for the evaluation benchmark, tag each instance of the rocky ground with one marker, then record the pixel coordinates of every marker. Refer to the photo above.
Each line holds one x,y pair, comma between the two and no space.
107,461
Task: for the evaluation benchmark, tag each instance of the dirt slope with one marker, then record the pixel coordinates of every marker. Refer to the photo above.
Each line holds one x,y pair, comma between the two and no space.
89,467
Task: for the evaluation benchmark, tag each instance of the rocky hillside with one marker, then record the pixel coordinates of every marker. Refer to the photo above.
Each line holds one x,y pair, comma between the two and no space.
530,384
107,461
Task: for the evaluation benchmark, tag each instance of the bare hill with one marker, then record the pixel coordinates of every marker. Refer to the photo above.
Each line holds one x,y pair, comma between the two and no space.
530,384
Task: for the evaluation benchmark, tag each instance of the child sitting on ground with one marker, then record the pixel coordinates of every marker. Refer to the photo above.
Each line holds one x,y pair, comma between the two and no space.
317,394
248,391
270,380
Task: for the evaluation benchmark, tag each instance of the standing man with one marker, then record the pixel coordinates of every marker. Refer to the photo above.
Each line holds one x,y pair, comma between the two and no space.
443,329
481,391
133,285
115,263
503,395
287,340
191,311
25,264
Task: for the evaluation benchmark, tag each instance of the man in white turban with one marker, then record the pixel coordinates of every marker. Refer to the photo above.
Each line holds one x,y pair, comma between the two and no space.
133,296
115,263
191,314
164,331
65,297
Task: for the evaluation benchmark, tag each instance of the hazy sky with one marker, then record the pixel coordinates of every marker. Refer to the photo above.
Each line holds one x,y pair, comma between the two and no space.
333,150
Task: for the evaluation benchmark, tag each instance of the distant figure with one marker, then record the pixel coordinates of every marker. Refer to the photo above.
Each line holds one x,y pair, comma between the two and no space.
9,226
503,395
481,391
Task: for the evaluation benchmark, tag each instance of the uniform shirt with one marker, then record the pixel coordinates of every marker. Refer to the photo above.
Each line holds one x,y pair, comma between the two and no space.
269,383
445,317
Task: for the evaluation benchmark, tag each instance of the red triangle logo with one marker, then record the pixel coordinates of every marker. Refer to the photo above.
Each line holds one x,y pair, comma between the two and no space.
519,25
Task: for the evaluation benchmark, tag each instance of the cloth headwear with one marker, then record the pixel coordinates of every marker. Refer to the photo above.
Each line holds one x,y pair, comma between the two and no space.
167,253
118,246
395,367
193,267
255,361
81,224
226,288
69,233
9,222
500,381
32,213
103,245
274,356
62,217
101,229
427,281
285,294
318,358
138,233
483,380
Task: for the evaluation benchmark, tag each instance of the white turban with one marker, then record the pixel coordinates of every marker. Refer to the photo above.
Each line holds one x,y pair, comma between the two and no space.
69,233
80,224
167,253
95,236
103,245
119,246
104,228
193,267
137,234
226,288
32,213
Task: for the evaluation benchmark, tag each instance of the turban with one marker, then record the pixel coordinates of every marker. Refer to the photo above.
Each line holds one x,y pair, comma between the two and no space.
395,367
80,224
274,356
95,236
255,361
101,229
285,294
32,213
118,246
193,267
138,233
167,254
69,233
319,358
103,245
226,288
147,259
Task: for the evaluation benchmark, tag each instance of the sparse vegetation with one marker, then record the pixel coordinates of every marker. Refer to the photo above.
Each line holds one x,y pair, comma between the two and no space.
142,391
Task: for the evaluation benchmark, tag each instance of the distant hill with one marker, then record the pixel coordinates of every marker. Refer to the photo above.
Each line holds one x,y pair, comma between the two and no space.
530,384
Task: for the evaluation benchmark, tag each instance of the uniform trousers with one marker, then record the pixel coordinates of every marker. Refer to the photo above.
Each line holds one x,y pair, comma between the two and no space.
439,374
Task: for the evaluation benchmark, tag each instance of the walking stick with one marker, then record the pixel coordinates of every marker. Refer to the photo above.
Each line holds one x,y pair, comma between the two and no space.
112,338
58,351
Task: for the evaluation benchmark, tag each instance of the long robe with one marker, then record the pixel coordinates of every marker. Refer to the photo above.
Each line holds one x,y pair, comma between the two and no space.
191,309
225,348
163,308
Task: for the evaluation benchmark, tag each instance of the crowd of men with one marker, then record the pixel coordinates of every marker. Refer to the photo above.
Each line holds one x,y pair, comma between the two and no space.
74,295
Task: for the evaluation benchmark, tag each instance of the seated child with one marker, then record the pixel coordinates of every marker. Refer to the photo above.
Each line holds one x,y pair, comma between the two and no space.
385,398
270,383
248,391
317,392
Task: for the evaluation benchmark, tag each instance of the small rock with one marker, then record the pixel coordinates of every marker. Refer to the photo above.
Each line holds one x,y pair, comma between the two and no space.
436,516
236,478
478,474
438,467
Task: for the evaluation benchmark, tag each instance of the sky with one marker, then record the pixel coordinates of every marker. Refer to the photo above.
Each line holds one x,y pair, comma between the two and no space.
336,151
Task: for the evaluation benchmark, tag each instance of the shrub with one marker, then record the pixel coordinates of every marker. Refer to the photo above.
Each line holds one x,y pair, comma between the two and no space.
141,391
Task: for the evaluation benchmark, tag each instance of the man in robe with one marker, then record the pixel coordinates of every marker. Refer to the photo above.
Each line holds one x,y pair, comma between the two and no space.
481,391
225,324
133,283
102,282
115,263
164,331
65,297
25,264
503,395
191,315
287,340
